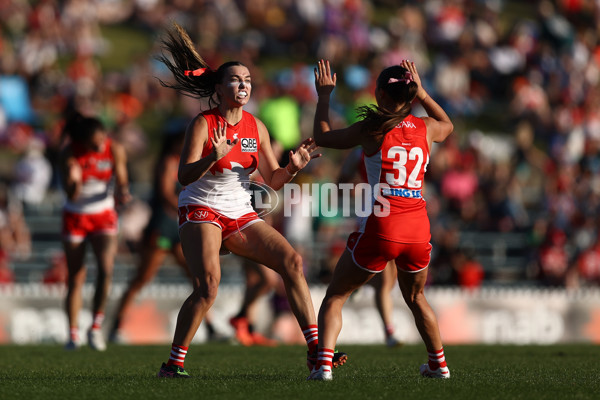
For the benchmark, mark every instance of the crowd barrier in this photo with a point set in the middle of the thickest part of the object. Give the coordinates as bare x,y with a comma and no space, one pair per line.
34,313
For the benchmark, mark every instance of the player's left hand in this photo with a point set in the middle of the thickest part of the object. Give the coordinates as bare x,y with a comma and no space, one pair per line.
324,80
302,155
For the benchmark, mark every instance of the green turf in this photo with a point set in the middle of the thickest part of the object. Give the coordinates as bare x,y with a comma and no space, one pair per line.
231,372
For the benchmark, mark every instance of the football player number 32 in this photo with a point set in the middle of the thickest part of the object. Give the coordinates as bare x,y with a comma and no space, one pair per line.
400,156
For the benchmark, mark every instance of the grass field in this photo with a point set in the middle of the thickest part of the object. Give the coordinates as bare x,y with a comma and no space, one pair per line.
221,371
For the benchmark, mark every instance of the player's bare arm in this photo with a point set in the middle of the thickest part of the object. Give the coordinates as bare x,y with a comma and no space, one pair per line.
122,181
167,170
323,133
70,174
274,175
439,126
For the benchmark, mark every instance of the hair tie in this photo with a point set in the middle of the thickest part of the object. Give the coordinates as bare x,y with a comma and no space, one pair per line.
407,78
197,72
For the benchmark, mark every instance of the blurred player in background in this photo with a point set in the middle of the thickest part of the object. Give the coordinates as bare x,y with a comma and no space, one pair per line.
260,281
384,283
89,165
397,147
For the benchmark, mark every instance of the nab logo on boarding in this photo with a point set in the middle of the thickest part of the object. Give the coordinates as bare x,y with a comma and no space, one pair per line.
249,145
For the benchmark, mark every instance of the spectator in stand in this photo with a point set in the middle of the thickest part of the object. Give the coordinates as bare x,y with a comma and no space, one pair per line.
469,272
15,237
33,173
57,272
588,266
553,258
7,275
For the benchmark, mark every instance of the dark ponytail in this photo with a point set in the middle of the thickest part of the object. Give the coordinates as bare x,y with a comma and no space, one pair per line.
80,129
193,76
397,83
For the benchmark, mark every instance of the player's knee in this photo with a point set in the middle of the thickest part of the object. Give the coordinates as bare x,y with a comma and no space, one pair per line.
208,289
294,266
414,299
203,298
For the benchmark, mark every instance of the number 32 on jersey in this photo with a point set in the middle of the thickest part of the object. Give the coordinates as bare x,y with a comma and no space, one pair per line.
403,160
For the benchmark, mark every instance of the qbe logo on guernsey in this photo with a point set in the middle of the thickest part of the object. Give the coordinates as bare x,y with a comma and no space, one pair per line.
249,145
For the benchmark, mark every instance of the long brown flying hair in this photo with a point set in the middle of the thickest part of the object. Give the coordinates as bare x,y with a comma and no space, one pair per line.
184,60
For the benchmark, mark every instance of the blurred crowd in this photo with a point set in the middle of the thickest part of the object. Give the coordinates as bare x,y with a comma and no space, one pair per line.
520,80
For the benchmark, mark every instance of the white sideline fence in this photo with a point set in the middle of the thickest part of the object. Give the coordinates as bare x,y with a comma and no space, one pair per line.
34,313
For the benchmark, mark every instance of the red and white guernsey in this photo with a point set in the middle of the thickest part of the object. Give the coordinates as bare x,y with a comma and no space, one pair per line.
398,168
97,180
224,188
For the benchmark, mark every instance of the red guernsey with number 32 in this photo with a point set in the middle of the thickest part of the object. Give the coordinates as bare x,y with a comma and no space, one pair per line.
399,168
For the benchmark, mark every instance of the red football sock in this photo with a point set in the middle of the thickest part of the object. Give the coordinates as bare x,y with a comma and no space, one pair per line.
178,354
74,334
325,359
98,319
311,334
437,359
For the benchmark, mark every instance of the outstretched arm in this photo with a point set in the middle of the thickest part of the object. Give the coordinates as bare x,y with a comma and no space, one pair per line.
166,171
274,175
322,132
70,174
122,194
439,126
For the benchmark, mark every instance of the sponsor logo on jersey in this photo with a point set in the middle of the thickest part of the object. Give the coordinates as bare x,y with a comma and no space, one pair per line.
249,145
200,215
104,165
414,194
235,136
406,124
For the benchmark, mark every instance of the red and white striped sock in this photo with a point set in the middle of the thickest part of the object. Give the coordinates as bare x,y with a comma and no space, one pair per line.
437,359
74,334
178,354
325,359
98,319
311,334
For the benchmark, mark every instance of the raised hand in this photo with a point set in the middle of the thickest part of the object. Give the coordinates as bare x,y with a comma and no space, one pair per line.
302,155
324,81
221,146
410,66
